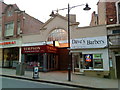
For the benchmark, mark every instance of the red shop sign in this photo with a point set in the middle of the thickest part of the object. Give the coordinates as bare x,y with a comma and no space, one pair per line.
39,49
8,43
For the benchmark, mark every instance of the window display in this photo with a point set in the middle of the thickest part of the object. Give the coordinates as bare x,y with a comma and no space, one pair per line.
98,62
88,61
11,57
93,61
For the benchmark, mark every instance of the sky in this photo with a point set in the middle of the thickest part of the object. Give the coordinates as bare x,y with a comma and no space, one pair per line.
41,9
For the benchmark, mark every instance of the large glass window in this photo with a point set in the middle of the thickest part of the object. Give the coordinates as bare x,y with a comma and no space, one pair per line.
93,61
98,61
9,29
57,35
34,60
11,56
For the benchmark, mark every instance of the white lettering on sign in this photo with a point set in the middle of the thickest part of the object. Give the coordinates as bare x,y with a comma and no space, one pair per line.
91,42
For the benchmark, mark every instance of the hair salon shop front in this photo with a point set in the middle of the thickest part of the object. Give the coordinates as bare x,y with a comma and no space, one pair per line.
90,56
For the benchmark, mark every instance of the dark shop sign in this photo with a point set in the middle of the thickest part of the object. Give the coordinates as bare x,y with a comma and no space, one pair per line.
39,49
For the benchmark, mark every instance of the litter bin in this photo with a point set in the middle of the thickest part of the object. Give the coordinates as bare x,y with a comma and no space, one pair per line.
20,69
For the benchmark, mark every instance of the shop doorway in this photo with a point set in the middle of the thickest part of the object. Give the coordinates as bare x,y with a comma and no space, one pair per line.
78,63
118,66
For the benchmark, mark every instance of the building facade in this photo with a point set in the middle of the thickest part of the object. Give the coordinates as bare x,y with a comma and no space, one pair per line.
90,51
25,39
14,24
109,15
114,49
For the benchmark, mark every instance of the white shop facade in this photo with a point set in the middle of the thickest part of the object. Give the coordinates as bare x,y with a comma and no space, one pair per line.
90,56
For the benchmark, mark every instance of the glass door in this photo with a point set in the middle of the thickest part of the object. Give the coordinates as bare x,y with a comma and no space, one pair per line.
77,63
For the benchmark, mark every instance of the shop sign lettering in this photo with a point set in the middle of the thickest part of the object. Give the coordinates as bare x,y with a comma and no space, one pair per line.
88,42
39,49
91,42
31,48
51,49
8,43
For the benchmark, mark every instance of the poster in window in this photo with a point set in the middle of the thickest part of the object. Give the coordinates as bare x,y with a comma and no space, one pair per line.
88,57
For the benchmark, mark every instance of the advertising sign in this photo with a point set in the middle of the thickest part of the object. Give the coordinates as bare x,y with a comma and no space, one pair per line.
88,57
89,42
35,72
10,43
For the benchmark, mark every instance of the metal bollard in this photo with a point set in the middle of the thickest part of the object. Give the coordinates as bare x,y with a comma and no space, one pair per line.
69,73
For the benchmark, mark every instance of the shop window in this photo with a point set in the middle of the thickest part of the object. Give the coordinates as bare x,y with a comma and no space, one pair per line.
98,61
11,57
93,61
88,61
34,60
57,35
9,29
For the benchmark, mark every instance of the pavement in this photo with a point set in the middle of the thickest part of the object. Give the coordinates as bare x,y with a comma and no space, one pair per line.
61,77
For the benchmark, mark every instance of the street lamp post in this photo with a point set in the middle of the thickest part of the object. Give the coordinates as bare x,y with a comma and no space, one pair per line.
69,65
69,8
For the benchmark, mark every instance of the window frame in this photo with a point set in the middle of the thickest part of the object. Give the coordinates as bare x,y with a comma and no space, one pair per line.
57,34
93,61
8,29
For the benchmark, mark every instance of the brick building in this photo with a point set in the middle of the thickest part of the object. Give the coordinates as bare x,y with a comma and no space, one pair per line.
109,15
14,24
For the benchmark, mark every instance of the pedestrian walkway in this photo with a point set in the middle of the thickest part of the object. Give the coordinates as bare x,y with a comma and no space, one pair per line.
61,77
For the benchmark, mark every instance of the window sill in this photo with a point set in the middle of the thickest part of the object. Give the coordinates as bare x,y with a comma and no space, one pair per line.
93,69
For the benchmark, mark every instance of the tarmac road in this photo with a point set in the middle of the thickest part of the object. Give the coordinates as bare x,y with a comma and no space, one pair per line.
11,83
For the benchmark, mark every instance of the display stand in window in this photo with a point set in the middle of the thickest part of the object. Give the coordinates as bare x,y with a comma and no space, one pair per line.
98,61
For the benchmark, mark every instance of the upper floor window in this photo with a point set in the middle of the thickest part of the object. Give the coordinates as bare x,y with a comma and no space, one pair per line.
9,13
57,35
116,31
9,29
0,30
18,27
118,11
0,27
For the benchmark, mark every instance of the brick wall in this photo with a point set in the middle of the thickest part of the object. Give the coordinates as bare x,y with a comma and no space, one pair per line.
31,25
111,16
28,24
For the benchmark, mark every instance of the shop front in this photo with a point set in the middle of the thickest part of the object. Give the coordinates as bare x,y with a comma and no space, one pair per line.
44,56
90,56
10,52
